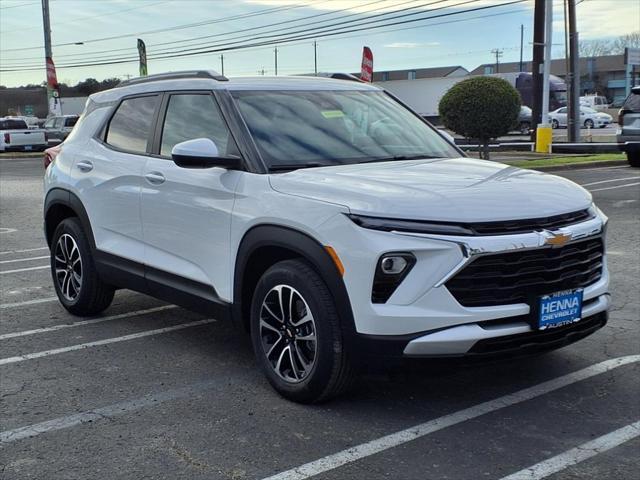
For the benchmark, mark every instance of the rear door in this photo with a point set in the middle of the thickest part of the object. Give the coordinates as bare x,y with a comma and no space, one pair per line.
186,213
109,177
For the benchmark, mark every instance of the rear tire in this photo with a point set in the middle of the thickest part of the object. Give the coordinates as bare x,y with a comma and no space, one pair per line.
634,159
296,334
588,123
75,278
555,124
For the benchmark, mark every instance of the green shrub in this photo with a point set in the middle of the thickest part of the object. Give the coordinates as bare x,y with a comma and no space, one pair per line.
482,108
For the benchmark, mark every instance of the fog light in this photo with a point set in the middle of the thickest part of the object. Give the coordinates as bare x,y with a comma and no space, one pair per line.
393,265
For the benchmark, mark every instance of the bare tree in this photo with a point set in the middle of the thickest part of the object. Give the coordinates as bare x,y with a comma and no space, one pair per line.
631,40
595,48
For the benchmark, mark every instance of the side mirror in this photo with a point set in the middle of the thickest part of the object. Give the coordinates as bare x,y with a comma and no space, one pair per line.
201,153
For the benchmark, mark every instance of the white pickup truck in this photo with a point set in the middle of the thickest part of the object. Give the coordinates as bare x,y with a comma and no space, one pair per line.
15,135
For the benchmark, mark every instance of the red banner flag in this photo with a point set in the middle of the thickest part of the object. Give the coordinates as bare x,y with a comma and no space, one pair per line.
52,79
366,71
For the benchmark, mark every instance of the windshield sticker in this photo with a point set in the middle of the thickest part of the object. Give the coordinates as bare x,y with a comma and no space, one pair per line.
333,113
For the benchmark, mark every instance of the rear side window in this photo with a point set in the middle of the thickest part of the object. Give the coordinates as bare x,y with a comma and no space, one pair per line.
71,122
13,124
130,125
633,103
191,116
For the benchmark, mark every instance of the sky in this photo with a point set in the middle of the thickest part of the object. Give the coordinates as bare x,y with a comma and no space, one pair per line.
93,31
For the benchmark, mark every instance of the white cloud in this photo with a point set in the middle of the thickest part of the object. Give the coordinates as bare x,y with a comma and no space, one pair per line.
410,44
601,18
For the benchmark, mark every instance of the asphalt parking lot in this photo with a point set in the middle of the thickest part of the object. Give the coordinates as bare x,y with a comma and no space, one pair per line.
153,391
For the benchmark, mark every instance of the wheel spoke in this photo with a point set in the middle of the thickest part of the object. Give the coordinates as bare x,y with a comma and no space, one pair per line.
278,366
279,290
266,325
276,344
310,337
294,369
305,364
305,319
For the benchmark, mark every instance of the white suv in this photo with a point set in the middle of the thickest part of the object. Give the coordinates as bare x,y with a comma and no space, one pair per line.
323,216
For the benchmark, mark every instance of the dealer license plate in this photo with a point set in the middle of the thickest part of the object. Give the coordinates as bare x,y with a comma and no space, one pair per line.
560,308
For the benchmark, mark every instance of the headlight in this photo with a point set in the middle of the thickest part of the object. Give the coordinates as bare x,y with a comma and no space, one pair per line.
414,226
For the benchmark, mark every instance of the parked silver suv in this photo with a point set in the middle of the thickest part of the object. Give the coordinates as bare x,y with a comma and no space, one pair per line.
629,121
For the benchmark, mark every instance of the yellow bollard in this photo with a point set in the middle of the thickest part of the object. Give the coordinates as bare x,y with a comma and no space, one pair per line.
544,138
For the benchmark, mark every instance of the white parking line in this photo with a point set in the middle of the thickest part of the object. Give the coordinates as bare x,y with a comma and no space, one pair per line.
27,302
8,252
81,323
106,341
609,181
378,445
24,259
617,186
578,454
4,272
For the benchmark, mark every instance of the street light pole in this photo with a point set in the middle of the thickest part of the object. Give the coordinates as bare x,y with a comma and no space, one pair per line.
547,61
315,57
275,52
573,117
536,64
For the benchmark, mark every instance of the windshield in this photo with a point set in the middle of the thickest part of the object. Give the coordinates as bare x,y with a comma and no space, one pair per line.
311,128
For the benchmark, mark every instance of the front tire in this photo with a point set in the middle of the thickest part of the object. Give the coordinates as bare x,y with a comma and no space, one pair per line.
634,159
588,123
75,278
555,124
296,334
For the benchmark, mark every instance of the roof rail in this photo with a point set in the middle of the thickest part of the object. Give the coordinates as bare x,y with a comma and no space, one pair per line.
212,74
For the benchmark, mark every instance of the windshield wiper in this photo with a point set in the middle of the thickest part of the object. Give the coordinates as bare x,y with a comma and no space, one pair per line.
295,166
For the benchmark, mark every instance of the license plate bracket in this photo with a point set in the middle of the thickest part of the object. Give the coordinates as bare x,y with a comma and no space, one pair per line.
560,308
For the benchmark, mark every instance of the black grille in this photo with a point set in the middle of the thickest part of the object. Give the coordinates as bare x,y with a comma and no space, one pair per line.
522,226
519,277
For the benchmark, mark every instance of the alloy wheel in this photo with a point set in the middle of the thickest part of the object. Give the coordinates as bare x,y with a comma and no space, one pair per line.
68,267
288,333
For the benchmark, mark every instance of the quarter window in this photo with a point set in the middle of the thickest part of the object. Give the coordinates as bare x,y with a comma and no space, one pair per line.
191,116
130,125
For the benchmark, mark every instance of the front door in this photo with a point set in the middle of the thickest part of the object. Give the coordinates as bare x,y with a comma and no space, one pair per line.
186,213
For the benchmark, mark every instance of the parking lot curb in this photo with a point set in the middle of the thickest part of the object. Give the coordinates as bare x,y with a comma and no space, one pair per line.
579,166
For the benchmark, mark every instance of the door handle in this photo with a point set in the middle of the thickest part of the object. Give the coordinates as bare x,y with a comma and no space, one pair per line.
84,166
155,178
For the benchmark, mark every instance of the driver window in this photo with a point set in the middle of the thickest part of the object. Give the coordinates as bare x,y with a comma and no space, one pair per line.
191,116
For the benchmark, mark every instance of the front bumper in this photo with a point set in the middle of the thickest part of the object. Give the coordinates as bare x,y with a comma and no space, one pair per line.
422,317
509,335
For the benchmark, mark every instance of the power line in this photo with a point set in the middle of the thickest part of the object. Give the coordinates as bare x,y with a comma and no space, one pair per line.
174,28
251,29
288,40
323,31
19,5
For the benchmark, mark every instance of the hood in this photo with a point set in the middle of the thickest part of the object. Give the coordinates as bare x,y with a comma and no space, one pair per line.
460,189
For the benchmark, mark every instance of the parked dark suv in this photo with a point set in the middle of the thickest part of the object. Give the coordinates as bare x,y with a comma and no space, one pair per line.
629,121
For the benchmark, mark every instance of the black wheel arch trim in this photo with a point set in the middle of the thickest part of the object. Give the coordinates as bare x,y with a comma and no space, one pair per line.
304,246
62,197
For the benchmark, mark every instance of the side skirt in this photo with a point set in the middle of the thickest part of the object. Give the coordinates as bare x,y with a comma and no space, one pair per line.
162,285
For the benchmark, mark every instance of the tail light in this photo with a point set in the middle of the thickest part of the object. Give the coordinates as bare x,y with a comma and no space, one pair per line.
7,138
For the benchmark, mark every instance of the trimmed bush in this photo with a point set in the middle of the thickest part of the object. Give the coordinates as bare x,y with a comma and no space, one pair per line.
482,108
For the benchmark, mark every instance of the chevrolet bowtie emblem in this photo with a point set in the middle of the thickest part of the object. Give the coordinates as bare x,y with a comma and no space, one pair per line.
557,239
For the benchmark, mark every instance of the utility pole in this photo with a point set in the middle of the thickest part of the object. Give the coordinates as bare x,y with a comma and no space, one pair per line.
544,118
536,64
52,93
222,64
573,117
275,52
498,53
315,57
521,46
